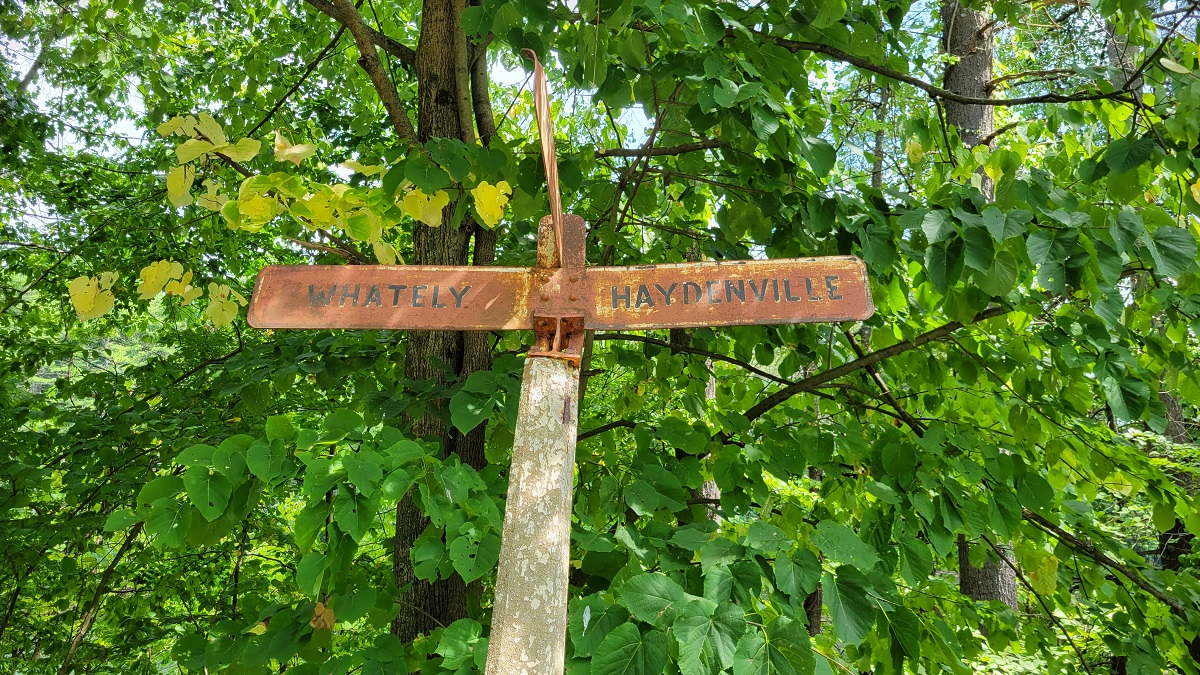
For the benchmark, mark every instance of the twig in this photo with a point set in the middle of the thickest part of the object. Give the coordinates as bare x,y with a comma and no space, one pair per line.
369,61
810,383
619,424
407,55
692,350
312,65
90,615
659,152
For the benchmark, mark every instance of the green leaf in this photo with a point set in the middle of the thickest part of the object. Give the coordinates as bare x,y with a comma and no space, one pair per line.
265,460
707,642
829,12
937,225
820,154
208,491
797,574
309,523
458,643
845,595
1128,153
765,537
364,470
120,519
354,513
280,428
841,544
473,557
980,252
157,488
1004,226
1173,250
916,560
653,598
425,174
310,573
1126,227
169,521
1000,277
905,629
627,651
590,620
341,423
782,648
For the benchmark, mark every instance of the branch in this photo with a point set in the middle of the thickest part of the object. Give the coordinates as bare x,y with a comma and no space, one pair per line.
312,65
692,350
810,383
659,152
937,92
1089,549
1032,73
987,140
912,422
90,615
369,60
407,55
619,424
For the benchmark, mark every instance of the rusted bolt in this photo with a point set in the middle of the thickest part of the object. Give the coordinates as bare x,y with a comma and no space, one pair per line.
545,297
573,298
574,278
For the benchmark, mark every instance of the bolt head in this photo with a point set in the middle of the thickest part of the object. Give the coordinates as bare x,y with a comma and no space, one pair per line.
545,297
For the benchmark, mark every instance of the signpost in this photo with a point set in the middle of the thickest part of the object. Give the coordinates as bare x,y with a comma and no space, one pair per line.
558,299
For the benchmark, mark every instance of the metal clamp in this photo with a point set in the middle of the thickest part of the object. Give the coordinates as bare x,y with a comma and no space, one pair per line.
558,335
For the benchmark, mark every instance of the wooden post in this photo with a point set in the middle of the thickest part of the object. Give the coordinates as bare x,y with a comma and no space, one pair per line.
529,619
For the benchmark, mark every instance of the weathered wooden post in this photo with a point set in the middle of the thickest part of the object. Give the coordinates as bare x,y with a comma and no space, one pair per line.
559,299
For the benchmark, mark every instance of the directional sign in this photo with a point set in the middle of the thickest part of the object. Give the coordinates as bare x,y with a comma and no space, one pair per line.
504,298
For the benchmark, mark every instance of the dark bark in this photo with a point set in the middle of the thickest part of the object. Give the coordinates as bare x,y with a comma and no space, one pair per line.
812,603
885,97
967,36
436,355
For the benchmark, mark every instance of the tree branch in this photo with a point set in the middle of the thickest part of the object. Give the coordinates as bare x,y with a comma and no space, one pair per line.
1089,549
369,61
619,424
809,383
312,65
937,92
90,615
405,54
912,422
692,350
659,152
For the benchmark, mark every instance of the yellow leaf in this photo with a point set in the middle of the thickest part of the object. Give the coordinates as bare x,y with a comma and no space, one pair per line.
90,296
286,152
179,185
322,617
366,170
242,151
316,207
209,128
1195,190
191,149
915,151
256,209
385,253
426,208
184,126
211,200
155,276
184,289
221,311
490,200
1044,578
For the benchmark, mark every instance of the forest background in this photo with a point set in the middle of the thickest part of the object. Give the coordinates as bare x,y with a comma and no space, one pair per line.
995,473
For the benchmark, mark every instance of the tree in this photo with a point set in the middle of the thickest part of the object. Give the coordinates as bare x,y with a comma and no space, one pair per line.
183,492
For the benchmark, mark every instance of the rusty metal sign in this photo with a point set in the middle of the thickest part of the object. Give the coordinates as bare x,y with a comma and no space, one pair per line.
506,298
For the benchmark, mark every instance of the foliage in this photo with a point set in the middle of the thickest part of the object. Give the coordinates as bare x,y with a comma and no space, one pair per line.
223,499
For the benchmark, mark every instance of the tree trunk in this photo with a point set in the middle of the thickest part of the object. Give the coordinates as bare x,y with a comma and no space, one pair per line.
967,35
441,111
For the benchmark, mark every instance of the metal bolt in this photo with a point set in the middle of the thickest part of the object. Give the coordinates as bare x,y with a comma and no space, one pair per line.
574,278
545,297
573,298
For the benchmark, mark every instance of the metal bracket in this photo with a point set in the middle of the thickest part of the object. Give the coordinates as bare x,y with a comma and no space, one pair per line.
558,335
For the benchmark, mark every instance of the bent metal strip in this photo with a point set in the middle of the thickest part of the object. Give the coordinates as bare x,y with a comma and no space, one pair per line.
504,298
